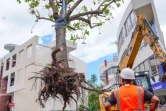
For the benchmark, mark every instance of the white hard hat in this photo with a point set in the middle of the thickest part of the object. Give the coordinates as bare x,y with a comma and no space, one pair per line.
127,73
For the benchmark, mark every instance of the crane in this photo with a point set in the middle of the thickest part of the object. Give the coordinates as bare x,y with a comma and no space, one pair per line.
143,31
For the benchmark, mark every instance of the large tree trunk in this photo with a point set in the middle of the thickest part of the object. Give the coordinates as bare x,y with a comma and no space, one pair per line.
61,42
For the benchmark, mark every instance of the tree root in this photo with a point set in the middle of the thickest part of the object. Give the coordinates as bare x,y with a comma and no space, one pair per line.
57,79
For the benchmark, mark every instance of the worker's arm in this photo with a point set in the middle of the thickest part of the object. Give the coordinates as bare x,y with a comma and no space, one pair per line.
111,101
148,96
155,101
107,105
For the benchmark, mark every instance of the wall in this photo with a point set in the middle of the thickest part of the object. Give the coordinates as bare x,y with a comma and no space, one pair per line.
43,57
25,98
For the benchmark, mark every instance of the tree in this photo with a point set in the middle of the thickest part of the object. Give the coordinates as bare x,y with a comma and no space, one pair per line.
58,78
80,21
93,97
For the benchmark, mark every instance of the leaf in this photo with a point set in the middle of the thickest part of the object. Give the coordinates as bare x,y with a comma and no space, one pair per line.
85,8
76,25
68,28
72,37
47,6
19,1
69,1
100,23
107,19
51,17
106,11
27,0
86,32
118,4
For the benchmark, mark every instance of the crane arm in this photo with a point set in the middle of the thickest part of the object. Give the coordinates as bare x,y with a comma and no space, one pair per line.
144,32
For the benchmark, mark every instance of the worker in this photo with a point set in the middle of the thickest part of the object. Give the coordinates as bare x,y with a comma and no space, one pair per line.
130,97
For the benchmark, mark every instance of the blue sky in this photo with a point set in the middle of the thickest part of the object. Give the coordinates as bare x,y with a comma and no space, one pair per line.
93,67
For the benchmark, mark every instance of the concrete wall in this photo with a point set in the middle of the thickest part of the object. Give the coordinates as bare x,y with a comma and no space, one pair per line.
28,56
24,99
27,103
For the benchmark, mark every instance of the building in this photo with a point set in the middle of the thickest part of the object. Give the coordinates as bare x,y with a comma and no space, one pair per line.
109,68
20,64
145,59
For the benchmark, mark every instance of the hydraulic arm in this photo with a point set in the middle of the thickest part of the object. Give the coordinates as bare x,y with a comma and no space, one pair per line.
143,31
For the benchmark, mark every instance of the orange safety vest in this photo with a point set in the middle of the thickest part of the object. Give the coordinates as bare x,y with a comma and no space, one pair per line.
130,98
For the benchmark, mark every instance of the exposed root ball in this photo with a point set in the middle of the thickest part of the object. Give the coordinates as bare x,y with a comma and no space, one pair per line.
58,80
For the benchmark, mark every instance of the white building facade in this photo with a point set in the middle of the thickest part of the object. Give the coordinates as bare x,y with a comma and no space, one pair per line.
20,64
110,68
145,59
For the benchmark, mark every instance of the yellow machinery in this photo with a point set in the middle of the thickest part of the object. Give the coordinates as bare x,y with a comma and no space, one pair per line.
142,31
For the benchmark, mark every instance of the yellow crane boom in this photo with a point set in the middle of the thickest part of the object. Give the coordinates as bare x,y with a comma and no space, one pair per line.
143,31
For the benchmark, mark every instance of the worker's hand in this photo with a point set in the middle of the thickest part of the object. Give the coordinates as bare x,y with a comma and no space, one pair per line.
106,105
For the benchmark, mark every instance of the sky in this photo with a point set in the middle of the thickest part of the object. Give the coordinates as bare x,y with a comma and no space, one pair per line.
16,24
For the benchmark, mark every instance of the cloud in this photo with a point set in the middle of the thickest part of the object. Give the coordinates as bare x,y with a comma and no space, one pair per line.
100,45
16,23
16,28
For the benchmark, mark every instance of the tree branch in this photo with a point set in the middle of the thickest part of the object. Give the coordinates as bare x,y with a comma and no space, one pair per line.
54,9
101,4
46,19
88,21
97,11
72,8
38,17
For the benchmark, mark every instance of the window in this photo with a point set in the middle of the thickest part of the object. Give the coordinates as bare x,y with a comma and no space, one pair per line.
146,64
153,65
142,67
7,64
114,70
121,38
1,70
133,18
154,28
14,61
12,79
29,51
109,71
128,25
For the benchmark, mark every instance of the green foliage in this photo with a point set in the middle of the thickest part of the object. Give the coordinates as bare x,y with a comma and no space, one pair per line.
86,32
100,23
106,11
92,20
47,6
85,8
76,25
82,107
118,4
51,17
19,1
69,1
93,97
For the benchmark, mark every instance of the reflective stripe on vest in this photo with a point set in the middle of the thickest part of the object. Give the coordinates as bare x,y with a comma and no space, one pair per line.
139,100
